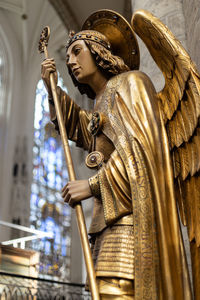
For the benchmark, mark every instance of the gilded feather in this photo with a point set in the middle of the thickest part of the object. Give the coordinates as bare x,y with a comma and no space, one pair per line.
180,105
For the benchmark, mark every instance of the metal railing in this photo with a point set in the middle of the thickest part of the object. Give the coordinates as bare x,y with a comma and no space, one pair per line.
20,287
20,242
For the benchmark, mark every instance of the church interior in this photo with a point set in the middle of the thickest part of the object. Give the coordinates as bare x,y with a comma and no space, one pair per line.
38,232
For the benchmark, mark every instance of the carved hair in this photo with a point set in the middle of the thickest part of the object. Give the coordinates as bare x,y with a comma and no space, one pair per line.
108,64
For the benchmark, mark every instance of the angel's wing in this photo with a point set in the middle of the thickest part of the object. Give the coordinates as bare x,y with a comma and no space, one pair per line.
180,103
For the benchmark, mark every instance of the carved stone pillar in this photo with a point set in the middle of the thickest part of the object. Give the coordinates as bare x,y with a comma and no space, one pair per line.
170,12
20,206
192,20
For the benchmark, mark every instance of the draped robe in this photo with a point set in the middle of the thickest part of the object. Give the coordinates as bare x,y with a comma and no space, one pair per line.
138,179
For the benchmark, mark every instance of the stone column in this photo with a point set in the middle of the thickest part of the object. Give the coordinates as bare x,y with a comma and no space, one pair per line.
170,12
191,10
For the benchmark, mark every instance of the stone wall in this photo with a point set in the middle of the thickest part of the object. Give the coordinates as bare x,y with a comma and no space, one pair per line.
191,10
171,14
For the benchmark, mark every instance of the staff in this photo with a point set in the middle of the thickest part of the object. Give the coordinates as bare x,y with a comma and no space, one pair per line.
43,43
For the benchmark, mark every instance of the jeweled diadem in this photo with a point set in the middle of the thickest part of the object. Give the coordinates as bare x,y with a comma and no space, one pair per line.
89,35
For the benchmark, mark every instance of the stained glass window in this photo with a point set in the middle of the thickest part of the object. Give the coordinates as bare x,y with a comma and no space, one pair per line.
47,210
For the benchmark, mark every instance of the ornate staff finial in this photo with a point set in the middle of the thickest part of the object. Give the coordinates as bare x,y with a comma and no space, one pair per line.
44,38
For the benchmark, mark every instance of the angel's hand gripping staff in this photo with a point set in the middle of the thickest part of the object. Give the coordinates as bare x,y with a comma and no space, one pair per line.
43,43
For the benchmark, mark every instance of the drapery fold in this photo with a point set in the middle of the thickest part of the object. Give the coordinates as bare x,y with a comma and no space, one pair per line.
138,178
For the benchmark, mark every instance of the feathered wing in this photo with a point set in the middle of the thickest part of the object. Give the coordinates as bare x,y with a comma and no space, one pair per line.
180,105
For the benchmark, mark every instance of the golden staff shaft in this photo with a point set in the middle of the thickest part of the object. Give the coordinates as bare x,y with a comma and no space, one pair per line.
78,207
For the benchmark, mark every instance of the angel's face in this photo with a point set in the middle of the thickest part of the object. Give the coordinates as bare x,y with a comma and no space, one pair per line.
81,62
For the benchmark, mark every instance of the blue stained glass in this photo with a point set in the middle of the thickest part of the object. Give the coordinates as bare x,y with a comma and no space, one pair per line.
50,168
51,198
35,150
66,222
37,142
33,219
58,186
39,223
47,210
47,247
46,108
35,189
34,200
51,157
59,198
41,202
35,174
39,215
59,153
58,169
57,236
45,156
49,224
36,161
58,180
52,143
40,85
59,206
38,121
45,178
38,102
66,210
51,178
64,250
59,161
37,134
65,174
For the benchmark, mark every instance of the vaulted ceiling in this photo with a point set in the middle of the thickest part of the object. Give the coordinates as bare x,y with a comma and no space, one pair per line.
26,18
74,13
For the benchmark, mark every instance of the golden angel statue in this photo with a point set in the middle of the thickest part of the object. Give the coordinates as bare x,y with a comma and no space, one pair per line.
145,147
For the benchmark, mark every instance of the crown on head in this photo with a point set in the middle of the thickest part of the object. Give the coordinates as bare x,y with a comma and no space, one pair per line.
89,35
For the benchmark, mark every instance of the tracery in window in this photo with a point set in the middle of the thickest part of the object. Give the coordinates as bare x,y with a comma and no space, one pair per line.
47,210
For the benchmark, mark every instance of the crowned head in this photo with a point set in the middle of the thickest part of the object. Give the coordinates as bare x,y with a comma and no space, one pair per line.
113,48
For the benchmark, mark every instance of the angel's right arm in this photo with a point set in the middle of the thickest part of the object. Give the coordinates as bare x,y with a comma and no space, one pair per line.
76,119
